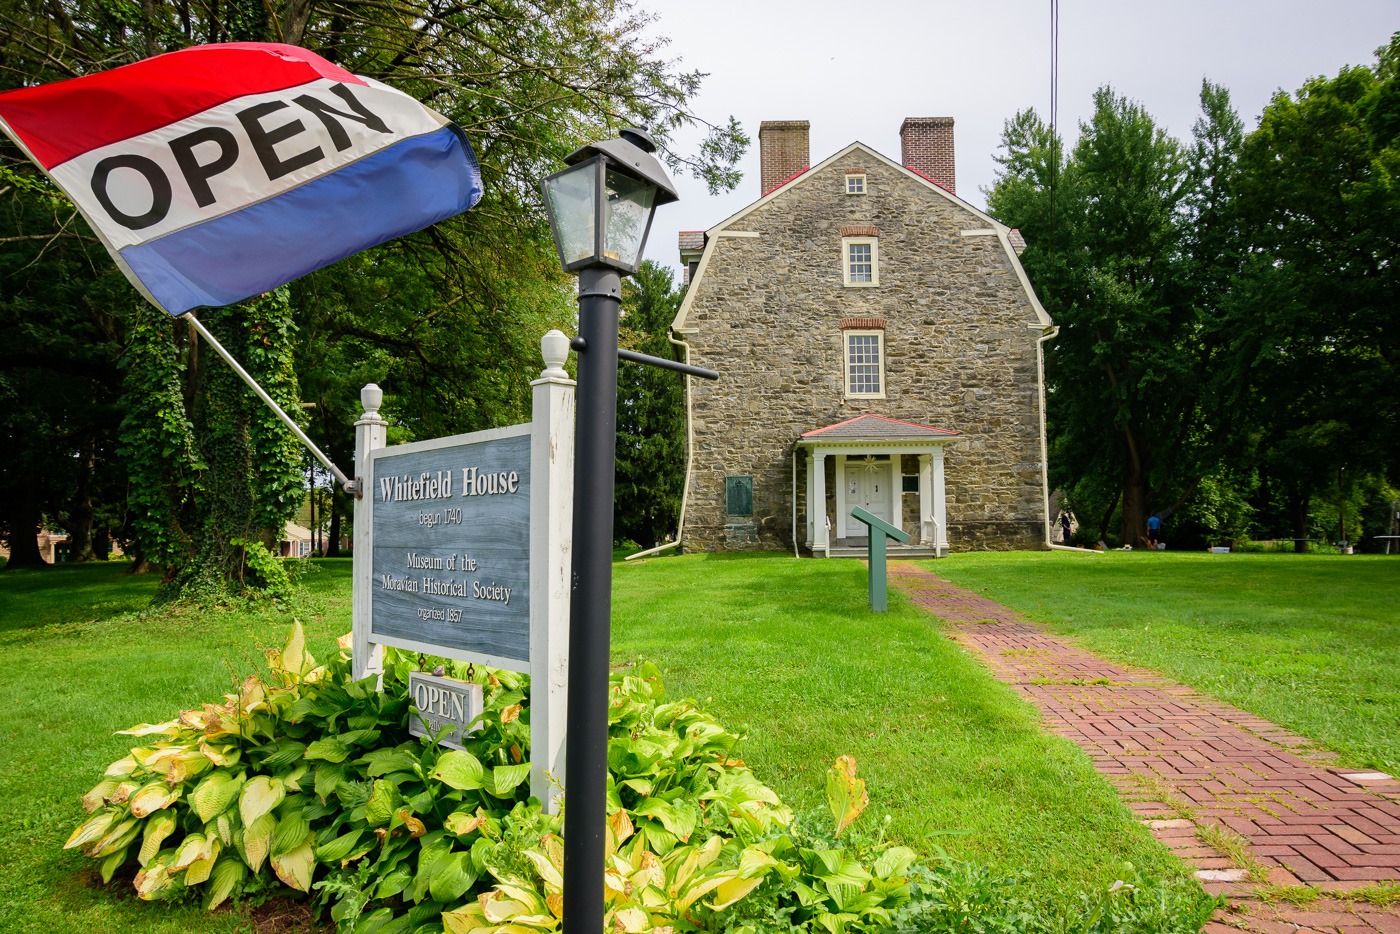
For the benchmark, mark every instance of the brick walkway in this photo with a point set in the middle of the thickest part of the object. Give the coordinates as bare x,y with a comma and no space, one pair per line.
1253,808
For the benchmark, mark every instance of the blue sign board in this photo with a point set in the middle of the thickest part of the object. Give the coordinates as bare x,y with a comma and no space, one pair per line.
451,544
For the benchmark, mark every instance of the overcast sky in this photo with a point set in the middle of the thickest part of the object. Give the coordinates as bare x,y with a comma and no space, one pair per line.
857,69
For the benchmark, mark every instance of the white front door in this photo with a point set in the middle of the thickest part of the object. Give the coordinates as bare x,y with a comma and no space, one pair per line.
867,486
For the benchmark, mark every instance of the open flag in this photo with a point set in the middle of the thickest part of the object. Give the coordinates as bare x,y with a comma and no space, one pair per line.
219,172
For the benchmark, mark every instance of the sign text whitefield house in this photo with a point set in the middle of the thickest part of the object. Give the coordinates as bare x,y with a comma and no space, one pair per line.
462,549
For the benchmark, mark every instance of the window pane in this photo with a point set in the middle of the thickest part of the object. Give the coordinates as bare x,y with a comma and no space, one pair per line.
863,364
861,267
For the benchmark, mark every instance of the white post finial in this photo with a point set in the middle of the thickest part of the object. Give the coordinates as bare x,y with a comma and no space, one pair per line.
554,347
371,396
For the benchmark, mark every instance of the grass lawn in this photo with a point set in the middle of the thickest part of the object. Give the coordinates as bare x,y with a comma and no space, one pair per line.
789,651
1311,642
79,666
783,648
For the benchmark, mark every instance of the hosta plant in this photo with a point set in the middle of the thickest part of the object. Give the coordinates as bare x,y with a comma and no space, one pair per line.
307,779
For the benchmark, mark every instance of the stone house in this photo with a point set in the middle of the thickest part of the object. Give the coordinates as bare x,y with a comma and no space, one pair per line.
880,346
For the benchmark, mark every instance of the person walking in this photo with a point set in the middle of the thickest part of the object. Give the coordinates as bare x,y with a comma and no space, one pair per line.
1154,529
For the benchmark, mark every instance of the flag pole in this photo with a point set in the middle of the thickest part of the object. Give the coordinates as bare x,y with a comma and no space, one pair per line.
351,486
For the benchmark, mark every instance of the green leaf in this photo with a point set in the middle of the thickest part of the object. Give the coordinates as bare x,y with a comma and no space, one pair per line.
382,800
894,861
112,863
461,770
291,831
505,778
328,776
452,875
330,749
339,848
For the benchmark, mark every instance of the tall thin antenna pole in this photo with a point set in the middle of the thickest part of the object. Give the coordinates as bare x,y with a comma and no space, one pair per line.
1054,117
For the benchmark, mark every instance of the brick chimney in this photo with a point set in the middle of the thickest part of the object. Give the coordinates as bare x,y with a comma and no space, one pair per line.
784,150
926,146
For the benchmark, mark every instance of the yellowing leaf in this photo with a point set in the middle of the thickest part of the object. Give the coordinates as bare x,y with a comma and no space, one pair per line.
731,891
228,872
97,797
122,767
158,827
511,713
845,794
461,823
219,755
157,796
294,867
257,841
259,796
621,826
414,825
214,794
294,657
91,829
631,920
169,728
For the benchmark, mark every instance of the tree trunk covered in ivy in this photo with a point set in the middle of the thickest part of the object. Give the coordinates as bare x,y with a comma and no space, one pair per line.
213,471
251,481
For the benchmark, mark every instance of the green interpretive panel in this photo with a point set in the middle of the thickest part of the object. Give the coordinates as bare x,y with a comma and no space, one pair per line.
738,496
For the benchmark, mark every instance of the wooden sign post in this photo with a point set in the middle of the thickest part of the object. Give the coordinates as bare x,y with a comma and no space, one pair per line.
878,529
462,551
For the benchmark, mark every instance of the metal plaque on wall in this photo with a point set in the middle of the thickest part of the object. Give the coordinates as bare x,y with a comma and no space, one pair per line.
451,545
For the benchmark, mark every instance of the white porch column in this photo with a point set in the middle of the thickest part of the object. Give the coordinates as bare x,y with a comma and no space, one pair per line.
897,490
940,503
816,504
811,513
926,499
841,496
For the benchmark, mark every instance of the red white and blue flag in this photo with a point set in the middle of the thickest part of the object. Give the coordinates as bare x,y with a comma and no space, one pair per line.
219,172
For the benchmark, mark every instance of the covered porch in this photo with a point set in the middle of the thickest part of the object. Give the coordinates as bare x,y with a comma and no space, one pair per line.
892,468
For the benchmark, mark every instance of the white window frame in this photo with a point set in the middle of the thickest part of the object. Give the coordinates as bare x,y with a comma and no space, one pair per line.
874,244
846,336
860,187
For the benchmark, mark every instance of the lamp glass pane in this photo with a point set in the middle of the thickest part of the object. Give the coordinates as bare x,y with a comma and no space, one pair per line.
628,213
571,202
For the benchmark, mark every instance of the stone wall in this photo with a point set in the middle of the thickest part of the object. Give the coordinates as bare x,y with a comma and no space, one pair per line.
960,353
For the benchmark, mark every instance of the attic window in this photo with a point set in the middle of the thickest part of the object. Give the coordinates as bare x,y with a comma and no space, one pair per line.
855,183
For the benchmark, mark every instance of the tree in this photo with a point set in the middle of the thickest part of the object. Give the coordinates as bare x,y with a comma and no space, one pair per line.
650,414
1321,179
1132,244
445,320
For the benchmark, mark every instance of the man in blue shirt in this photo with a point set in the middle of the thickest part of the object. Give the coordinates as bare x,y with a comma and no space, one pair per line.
1154,528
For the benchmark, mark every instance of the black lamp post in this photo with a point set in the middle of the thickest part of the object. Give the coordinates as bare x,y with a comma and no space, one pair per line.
600,209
